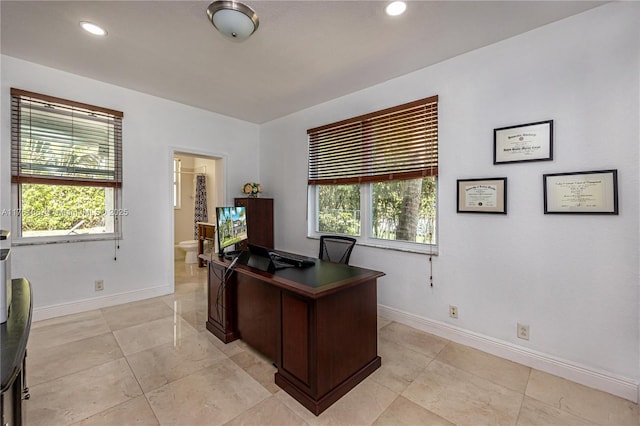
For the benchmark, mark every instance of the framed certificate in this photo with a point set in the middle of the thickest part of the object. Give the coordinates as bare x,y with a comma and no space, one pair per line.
593,192
482,195
525,142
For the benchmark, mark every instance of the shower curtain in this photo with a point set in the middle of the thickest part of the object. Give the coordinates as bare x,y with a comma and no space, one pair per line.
201,204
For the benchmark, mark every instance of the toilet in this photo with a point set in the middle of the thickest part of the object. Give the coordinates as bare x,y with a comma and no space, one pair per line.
190,248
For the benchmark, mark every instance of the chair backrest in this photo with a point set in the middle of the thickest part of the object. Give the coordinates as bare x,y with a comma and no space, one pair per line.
336,248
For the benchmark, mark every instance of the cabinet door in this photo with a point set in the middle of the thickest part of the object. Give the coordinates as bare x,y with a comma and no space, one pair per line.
259,220
222,298
296,339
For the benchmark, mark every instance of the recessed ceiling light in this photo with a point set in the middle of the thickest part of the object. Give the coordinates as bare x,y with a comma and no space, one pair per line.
396,8
92,28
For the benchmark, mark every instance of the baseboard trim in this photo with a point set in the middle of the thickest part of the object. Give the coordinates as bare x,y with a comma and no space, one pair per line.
52,311
601,380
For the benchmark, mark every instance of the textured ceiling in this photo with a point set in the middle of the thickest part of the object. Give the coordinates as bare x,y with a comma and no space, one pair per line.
304,52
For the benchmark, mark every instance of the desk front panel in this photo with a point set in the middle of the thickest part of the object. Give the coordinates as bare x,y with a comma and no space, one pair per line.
297,343
347,334
328,344
321,334
258,314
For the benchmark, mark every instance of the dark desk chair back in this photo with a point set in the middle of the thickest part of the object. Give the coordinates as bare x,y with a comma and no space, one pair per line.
336,248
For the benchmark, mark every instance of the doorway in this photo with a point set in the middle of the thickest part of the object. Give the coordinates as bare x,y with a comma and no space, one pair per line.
197,182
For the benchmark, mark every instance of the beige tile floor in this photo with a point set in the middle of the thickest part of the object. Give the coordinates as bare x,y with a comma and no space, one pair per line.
153,362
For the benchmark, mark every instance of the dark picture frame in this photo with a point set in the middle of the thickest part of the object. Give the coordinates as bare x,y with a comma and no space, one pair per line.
523,143
589,192
485,195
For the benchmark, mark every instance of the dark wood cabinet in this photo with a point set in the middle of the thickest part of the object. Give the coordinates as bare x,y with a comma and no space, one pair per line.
14,335
259,220
222,293
206,232
318,324
328,344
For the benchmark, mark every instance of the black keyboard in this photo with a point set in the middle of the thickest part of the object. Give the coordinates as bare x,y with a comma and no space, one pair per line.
279,264
292,259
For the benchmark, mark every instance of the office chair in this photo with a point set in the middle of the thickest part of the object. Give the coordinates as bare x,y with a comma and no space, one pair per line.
336,248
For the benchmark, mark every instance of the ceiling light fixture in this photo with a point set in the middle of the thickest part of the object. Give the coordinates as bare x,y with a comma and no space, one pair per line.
396,8
233,19
93,28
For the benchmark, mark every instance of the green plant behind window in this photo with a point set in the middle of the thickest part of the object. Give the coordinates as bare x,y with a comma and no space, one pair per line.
56,209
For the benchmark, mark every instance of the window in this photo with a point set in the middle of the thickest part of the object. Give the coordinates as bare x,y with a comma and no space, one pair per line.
375,177
66,169
177,167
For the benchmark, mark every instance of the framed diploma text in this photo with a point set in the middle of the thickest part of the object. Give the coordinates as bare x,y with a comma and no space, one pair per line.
482,195
525,142
593,192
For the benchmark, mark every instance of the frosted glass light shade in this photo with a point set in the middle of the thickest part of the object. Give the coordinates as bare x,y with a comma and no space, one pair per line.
92,28
396,8
233,19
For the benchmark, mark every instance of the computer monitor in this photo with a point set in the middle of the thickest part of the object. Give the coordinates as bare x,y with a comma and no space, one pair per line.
231,223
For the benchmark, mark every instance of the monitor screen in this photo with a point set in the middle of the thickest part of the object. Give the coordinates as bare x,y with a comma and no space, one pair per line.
232,226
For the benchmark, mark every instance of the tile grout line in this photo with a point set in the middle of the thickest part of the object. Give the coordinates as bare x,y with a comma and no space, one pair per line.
524,395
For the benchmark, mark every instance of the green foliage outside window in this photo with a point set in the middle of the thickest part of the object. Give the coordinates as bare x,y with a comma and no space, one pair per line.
405,210
61,207
401,210
339,209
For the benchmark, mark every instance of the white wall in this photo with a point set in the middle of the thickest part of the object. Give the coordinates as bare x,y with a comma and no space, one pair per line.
63,275
572,278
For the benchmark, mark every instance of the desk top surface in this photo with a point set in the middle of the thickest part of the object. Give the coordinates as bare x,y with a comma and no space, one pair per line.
315,281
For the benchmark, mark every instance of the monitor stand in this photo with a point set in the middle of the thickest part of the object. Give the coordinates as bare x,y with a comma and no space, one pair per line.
230,255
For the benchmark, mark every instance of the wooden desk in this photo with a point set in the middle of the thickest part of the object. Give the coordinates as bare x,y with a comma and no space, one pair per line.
14,335
206,231
318,324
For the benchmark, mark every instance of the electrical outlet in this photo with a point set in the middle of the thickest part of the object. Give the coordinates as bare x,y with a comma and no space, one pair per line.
523,331
453,311
99,285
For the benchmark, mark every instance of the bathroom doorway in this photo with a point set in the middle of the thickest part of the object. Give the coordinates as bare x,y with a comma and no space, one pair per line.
197,190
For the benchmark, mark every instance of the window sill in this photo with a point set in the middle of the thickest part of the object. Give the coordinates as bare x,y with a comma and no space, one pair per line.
36,241
403,247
